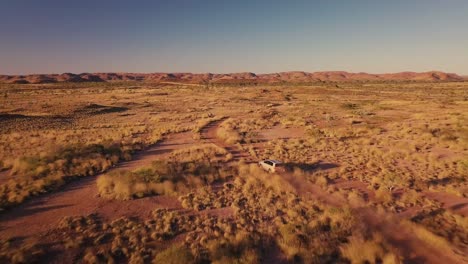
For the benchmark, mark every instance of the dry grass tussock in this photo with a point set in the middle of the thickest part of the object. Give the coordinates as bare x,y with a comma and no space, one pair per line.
385,159
234,131
186,169
34,135
429,237
397,139
441,223
35,175
305,231
374,250
266,214
49,170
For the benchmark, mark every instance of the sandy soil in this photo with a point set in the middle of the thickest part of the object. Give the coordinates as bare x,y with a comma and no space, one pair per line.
451,202
279,132
5,176
80,197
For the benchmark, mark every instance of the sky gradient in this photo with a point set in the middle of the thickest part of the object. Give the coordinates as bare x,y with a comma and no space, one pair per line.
375,36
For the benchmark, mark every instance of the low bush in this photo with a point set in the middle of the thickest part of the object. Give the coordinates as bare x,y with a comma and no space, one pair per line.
430,238
228,133
28,252
360,250
176,254
234,131
384,195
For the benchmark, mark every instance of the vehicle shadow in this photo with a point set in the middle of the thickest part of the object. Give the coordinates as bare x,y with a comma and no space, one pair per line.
309,167
459,206
30,210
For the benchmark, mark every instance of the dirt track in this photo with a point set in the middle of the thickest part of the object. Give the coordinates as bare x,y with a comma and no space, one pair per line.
209,134
451,202
80,197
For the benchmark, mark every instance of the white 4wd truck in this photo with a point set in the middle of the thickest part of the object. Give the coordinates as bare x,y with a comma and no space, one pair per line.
271,165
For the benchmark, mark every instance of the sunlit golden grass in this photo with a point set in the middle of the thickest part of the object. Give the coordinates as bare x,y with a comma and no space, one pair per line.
189,168
359,250
398,140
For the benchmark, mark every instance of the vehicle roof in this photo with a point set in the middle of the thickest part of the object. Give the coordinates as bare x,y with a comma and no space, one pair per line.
274,161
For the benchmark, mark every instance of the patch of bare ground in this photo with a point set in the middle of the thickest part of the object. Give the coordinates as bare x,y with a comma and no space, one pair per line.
410,212
279,132
80,197
159,150
456,204
224,212
5,176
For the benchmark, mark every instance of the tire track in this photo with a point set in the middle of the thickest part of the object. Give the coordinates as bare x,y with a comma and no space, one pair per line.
79,197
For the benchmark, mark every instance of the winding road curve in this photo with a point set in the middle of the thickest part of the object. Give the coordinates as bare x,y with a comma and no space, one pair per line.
79,197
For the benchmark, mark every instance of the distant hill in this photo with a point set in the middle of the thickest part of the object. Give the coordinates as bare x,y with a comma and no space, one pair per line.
230,78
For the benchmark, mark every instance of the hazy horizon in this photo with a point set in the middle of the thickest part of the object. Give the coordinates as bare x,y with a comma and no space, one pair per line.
256,73
54,36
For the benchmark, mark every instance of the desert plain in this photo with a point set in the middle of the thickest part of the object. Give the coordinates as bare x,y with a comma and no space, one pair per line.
163,168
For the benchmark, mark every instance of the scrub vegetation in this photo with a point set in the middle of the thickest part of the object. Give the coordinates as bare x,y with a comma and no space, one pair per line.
133,172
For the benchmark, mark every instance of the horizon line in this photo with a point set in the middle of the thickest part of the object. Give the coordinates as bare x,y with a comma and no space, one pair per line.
237,72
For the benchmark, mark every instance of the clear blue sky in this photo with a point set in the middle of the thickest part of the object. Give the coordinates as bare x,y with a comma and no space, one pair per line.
55,36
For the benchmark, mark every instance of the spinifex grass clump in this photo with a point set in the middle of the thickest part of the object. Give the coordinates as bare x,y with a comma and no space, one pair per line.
234,131
186,169
443,223
34,175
